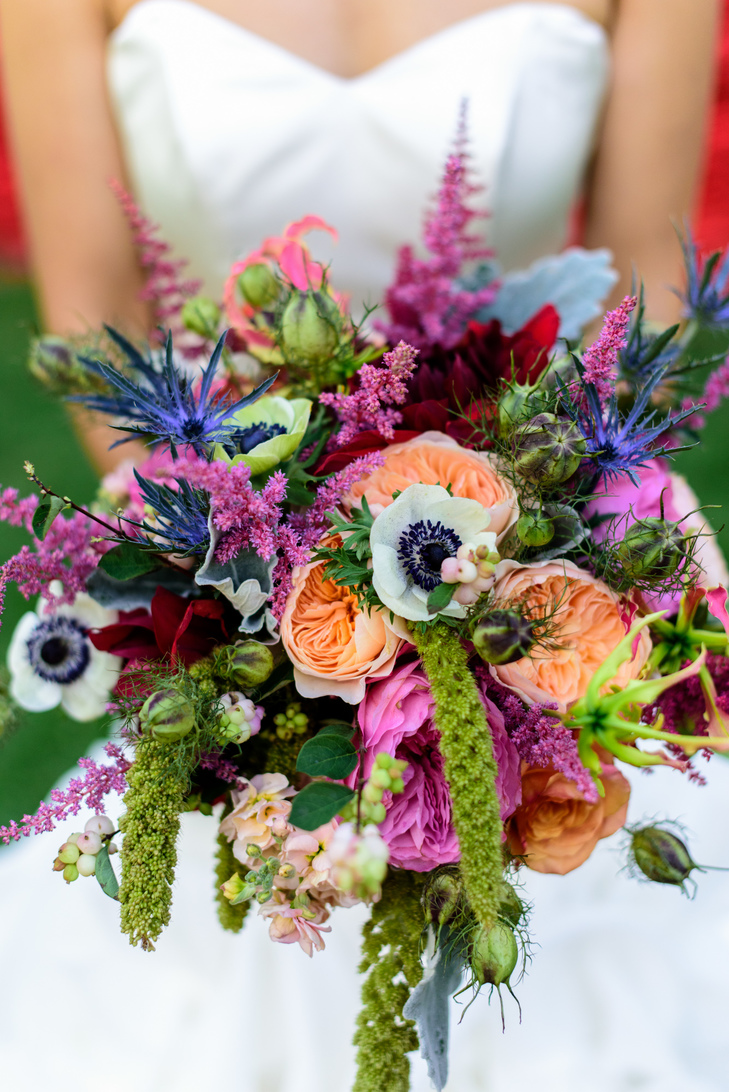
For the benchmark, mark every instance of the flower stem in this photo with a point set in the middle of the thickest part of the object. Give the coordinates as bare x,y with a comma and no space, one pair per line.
470,767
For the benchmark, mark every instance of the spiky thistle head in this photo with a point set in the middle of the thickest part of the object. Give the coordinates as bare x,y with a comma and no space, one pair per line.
160,402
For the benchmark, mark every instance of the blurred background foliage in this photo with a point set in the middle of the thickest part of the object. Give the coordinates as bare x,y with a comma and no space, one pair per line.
36,427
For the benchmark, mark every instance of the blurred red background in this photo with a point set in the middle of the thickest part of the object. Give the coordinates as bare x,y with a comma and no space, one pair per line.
712,223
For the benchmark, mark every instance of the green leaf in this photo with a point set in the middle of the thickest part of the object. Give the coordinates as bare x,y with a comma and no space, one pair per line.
45,514
126,561
328,754
440,597
105,874
337,728
318,803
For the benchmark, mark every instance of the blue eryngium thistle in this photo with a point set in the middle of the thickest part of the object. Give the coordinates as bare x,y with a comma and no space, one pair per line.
619,444
646,351
706,299
181,515
612,721
159,402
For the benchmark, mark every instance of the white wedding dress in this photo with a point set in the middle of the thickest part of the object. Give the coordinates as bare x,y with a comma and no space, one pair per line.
227,138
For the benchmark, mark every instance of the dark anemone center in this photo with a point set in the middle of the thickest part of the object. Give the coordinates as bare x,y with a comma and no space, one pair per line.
422,549
244,440
54,650
58,650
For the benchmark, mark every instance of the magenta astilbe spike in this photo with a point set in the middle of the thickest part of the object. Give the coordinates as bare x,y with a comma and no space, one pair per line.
165,287
88,791
379,389
600,361
427,308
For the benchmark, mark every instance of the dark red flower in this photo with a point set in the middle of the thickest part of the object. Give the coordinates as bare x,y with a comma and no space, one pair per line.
175,627
484,356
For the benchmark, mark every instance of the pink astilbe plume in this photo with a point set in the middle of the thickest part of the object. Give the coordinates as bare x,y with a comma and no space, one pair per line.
165,287
600,361
88,791
379,389
68,553
426,306
540,739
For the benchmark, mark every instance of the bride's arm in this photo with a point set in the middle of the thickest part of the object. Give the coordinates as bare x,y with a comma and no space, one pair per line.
65,151
650,152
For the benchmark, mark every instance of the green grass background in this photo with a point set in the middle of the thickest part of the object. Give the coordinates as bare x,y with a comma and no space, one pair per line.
34,426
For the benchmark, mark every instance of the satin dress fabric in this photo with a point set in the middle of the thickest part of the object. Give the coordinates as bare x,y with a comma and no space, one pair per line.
227,138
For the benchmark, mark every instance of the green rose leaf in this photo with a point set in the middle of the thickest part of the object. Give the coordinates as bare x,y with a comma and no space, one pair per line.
45,514
318,803
338,728
105,874
328,754
440,597
126,561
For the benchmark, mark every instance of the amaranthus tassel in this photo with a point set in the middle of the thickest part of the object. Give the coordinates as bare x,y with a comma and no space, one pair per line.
470,767
150,826
390,952
226,865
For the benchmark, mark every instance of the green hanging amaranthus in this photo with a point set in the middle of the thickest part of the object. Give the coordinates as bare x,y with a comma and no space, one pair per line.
390,952
469,766
227,865
150,826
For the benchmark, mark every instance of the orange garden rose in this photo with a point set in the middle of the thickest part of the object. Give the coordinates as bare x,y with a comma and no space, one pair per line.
555,828
436,459
587,625
333,645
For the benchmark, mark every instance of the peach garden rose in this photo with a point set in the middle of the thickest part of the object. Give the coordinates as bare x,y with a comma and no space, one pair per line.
436,459
334,646
587,625
555,828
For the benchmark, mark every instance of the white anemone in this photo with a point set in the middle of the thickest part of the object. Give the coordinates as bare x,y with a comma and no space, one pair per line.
411,538
52,661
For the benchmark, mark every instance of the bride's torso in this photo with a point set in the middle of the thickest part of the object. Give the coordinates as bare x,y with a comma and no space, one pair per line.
228,136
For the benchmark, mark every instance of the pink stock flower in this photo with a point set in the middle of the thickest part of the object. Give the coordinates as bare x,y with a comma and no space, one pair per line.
292,257
295,925
396,717
260,810
628,503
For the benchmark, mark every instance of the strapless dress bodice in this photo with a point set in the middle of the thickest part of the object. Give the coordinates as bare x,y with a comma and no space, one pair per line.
227,137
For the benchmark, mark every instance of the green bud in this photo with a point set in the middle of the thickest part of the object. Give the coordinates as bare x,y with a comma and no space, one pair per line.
263,896
503,636
371,793
652,549
202,316
548,449
252,850
258,286
494,954
381,778
70,873
383,760
310,327
443,895
534,529
397,786
378,813
661,856
514,404
246,665
168,715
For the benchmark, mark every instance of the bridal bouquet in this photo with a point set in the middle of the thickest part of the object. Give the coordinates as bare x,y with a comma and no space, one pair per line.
395,602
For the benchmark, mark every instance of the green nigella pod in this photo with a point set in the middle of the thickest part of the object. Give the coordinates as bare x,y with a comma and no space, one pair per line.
511,908
652,549
258,285
202,316
442,895
310,327
168,715
661,855
548,449
503,636
246,665
535,529
494,954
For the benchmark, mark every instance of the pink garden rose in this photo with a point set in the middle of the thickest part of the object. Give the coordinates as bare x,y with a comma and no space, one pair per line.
396,716
632,502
